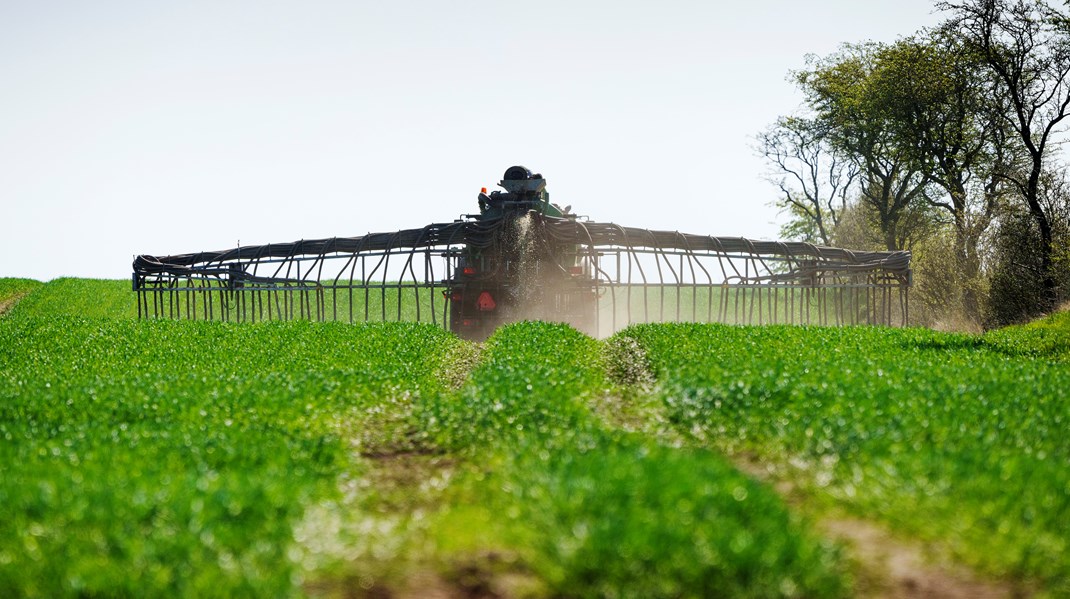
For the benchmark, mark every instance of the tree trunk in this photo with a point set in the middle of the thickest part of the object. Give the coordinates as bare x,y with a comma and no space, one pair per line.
1051,292
968,262
891,240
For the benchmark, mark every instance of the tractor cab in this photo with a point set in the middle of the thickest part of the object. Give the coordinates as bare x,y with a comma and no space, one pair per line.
524,192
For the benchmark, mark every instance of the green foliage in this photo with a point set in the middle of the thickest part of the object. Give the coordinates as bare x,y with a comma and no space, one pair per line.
956,439
1025,50
854,107
945,295
95,298
534,380
12,289
172,458
175,458
594,512
1017,260
919,119
801,225
90,298
1046,338
625,518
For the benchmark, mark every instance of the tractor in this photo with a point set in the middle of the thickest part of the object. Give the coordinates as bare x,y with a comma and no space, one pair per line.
521,274
524,258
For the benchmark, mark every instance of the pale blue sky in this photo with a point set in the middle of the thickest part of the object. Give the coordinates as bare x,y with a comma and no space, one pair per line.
142,127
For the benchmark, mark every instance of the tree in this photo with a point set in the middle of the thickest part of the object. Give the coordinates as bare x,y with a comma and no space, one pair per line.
1025,45
813,180
841,90
1017,272
938,98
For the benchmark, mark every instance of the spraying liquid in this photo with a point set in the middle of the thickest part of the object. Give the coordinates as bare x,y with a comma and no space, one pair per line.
544,289
524,248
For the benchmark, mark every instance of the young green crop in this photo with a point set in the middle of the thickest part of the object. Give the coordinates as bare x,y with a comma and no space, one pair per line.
14,289
956,439
93,298
89,298
594,512
174,459
1047,338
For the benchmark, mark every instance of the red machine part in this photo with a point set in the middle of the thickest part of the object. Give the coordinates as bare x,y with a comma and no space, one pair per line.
485,302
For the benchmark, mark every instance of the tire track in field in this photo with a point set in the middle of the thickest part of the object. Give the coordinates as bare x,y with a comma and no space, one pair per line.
888,567
377,530
600,511
409,486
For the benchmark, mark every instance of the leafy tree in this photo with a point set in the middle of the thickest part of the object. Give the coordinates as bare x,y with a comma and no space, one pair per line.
940,106
842,91
1025,45
1017,259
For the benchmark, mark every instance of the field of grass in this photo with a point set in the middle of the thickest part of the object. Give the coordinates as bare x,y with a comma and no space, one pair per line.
175,458
387,302
90,298
637,304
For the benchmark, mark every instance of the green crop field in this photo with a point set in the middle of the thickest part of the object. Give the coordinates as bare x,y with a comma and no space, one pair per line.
177,458
12,290
954,439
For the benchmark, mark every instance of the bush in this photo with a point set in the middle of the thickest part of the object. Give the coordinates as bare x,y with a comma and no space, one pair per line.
1017,274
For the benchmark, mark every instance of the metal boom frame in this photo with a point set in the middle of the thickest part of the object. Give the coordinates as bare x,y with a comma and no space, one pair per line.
636,275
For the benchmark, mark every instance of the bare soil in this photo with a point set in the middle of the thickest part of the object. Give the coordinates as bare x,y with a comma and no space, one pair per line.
892,568
888,566
401,483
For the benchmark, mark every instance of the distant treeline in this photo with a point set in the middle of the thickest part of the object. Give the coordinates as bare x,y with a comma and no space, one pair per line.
944,143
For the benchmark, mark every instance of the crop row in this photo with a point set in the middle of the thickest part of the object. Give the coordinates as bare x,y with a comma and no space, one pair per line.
959,440
179,458
175,459
597,512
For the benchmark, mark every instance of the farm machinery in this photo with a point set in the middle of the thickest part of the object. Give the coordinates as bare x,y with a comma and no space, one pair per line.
522,257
